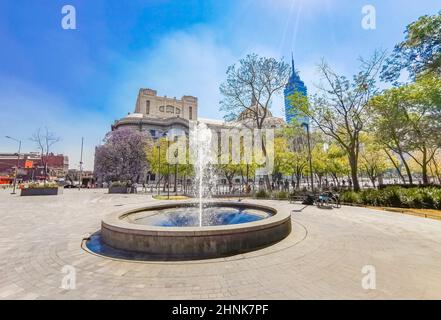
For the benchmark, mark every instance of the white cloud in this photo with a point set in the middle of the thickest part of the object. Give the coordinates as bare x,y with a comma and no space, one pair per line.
182,63
191,62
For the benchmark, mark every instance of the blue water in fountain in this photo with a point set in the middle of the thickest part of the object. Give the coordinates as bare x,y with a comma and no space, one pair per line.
190,217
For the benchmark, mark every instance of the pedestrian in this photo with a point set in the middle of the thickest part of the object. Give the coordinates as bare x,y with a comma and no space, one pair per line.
135,187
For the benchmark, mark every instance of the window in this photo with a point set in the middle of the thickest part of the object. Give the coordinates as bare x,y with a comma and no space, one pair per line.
178,111
161,108
191,113
170,109
147,107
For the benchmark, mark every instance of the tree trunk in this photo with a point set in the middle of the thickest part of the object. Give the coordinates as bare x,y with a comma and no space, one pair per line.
396,166
409,173
354,169
298,177
373,181
424,167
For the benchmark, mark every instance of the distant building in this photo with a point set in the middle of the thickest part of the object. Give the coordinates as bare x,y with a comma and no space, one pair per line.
73,177
294,85
31,165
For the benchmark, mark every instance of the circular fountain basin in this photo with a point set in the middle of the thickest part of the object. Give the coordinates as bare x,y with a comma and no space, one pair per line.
173,230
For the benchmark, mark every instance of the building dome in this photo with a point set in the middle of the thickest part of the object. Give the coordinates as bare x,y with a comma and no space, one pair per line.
250,113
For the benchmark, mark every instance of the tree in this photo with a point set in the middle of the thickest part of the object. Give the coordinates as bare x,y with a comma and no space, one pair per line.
282,158
339,110
374,161
245,167
294,152
229,171
256,79
44,139
419,53
435,166
407,119
158,162
336,162
389,123
319,162
122,157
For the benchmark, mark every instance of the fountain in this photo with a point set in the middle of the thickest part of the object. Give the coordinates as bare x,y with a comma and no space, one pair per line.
192,229
201,141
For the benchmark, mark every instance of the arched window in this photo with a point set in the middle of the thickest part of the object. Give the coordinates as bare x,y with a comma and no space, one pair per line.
170,109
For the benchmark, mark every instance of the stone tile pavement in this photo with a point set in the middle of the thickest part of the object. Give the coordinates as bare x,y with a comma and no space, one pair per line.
322,258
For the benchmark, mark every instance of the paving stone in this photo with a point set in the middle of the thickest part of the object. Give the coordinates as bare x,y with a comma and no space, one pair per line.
321,259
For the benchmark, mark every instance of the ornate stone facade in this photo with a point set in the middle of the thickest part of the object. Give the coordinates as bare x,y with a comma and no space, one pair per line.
160,115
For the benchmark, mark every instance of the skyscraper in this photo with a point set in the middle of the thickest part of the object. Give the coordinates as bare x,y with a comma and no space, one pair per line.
295,84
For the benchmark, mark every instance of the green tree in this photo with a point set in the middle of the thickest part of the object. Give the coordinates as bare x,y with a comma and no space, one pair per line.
157,159
407,120
256,79
336,162
419,53
295,152
373,160
340,109
320,162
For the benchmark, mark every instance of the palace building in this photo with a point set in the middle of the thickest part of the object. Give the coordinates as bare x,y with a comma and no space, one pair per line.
161,116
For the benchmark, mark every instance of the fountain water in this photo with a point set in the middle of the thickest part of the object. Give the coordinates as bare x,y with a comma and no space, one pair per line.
203,158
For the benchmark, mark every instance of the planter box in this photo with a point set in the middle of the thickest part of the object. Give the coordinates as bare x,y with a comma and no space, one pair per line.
40,191
118,189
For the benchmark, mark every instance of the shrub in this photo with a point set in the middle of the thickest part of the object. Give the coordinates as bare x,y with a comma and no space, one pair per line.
390,197
370,197
394,196
350,197
37,185
261,194
282,195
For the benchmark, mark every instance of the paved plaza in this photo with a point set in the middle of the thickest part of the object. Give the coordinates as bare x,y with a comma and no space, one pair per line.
323,257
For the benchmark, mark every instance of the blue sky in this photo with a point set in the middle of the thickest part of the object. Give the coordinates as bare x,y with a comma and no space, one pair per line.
77,82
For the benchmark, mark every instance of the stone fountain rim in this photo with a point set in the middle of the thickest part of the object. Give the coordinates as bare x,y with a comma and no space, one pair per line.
114,221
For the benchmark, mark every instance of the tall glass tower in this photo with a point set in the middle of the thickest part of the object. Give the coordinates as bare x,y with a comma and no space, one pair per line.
295,84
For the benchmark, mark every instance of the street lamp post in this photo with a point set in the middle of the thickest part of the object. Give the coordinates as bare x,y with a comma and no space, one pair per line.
168,171
81,165
176,172
159,167
309,154
18,162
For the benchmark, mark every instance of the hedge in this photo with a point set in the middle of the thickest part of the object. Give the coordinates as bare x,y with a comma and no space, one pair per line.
427,198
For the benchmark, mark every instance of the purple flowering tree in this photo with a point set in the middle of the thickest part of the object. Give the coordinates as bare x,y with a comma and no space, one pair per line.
122,157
